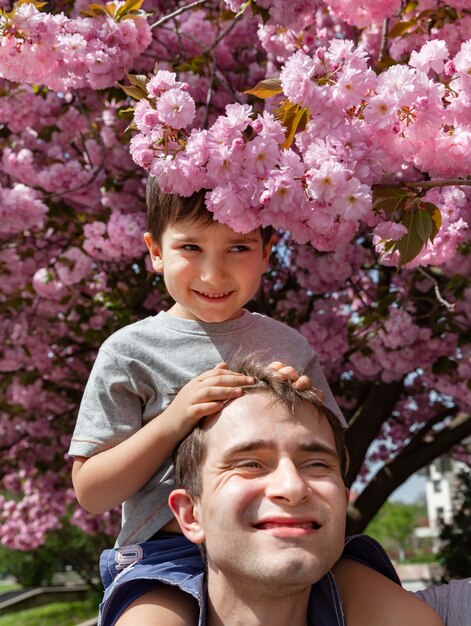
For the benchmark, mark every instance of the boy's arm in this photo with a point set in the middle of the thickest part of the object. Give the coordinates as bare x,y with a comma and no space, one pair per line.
371,599
108,478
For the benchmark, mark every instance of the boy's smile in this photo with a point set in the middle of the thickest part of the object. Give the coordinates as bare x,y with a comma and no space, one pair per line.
209,270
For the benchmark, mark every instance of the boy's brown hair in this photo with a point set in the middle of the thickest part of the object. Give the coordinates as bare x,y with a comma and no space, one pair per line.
164,209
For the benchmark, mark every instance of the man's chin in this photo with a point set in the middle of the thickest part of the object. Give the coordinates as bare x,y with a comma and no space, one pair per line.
295,569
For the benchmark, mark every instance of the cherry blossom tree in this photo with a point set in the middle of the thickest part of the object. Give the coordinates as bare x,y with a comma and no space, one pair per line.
345,125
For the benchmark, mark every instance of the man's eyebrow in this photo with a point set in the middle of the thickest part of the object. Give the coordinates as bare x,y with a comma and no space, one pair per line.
317,446
250,446
266,444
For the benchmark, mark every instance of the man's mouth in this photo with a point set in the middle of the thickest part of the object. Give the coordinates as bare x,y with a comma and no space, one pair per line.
279,524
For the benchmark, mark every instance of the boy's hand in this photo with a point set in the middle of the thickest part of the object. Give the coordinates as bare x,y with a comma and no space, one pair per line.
286,372
204,395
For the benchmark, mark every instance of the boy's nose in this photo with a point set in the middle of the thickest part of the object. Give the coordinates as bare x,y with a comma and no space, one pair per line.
212,271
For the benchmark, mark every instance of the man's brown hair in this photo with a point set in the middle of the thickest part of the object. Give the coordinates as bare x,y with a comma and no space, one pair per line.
164,209
191,453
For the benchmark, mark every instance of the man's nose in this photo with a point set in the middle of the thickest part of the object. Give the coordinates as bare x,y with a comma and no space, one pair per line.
287,484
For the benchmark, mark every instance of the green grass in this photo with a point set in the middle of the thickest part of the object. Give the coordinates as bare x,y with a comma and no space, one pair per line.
9,587
54,614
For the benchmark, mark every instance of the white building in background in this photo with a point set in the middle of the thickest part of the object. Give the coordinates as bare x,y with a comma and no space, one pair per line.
439,491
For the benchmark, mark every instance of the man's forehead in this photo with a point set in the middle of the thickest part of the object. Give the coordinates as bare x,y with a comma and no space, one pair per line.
261,417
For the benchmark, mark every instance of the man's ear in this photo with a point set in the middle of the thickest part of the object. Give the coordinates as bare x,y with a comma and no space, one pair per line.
155,253
187,515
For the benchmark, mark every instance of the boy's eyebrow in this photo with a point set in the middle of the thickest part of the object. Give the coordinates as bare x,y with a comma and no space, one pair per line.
244,239
233,241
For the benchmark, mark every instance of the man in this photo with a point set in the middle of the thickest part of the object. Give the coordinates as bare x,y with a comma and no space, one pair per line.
262,487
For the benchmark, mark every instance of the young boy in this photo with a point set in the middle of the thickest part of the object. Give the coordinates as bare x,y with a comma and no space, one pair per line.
122,454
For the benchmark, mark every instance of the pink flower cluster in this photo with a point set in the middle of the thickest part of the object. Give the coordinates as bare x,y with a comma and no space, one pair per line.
362,14
361,128
20,209
454,203
120,238
292,13
26,522
63,53
392,346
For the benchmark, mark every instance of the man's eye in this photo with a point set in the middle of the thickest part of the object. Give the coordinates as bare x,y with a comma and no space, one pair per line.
317,464
249,465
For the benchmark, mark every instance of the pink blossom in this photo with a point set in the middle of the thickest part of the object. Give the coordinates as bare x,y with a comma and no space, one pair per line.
431,56
46,285
20,209
176,108
146,117
390,230
73,266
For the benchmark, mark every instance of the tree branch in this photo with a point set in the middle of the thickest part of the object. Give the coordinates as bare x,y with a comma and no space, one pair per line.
367,421
384,40
394,473
430,184
436,287
179,11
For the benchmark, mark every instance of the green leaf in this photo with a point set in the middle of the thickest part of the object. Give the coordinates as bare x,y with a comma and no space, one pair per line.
128,6
411,243
139,80
137,93
401,28
266,88
258,10
423,225
94,10
295,121
411,6
243,7
435,216
388,198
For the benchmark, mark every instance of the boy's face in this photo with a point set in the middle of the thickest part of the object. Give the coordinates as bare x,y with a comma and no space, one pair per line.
209,270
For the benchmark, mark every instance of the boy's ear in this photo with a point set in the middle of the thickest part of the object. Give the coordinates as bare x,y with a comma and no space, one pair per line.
267,248
187,515
155,253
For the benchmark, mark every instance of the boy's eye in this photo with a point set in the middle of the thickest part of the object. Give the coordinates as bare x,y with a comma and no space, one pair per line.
190,246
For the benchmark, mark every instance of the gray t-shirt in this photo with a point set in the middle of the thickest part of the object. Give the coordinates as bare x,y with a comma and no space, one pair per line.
452,601
135,376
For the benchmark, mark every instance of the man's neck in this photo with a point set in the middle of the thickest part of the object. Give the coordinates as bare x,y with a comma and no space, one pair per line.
247,607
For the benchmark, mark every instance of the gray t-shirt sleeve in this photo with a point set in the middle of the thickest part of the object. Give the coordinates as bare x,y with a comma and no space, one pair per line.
110,411
452,601
315,373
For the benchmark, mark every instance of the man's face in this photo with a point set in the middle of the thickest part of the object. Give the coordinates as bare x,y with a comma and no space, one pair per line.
273,502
